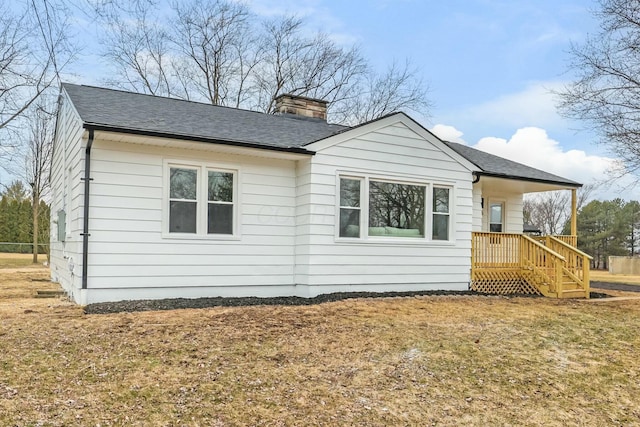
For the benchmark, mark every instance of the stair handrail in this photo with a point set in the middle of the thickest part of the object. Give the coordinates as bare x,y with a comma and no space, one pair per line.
568,246
551,251
586,261
556,265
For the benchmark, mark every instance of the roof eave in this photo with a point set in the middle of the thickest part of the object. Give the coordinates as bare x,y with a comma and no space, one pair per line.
527,179
107,128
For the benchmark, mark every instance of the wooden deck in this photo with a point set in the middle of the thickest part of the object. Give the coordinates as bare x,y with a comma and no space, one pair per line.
503,263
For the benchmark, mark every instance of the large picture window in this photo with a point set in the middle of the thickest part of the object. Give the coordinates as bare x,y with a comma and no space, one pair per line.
391,209
396,209
202,200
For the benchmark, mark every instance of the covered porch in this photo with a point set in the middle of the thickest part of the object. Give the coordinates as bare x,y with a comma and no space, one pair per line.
503,258
507,262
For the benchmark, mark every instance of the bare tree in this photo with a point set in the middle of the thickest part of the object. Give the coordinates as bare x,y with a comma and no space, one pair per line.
138,47
34,49
399,88
212,36
39,151
315,66
36,150
606,93
551,211
217,51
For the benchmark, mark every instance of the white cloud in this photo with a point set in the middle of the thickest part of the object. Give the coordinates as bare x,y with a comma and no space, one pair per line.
533,147
448,133
533,106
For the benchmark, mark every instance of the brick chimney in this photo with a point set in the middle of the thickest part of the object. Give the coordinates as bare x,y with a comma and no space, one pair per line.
301,106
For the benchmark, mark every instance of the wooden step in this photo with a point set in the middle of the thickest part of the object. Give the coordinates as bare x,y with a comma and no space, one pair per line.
573,293
570,285
48,293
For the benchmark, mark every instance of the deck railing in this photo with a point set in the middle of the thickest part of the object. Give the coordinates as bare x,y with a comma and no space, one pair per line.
495,250
569,240
544,262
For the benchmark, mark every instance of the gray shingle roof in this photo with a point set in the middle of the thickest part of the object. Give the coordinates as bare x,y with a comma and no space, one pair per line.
146,114
173,117
500,167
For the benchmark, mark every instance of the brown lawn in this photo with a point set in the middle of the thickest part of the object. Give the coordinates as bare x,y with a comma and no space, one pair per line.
398,361
19,260
604,276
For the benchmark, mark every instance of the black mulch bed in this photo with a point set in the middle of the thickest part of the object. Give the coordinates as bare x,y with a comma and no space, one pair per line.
177,303
615,286
594,295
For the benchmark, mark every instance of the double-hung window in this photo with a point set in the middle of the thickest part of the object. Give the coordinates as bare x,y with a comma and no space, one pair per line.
350,207
183,200
202,200
220,202
441,214
373,208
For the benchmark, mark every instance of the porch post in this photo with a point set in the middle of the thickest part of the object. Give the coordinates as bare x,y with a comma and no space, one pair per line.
574,213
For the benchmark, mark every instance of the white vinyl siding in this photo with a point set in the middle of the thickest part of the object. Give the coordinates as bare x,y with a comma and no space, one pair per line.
512,213
130,253
286,239
477,207
326,263
66,195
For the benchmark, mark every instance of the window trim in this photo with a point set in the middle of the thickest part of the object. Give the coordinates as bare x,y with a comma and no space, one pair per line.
201,199
364,238
359,208
448,214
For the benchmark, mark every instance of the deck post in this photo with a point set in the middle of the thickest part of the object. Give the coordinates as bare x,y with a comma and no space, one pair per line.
574,212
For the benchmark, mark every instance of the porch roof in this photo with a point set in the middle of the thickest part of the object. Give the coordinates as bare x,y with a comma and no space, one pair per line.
499,167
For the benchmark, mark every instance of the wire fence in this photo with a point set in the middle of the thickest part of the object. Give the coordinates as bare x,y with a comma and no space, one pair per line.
23,248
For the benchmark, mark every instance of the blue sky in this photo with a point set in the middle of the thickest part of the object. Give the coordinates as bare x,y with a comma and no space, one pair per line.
490,66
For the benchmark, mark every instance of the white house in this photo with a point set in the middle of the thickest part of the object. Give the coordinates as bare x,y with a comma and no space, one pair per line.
160,198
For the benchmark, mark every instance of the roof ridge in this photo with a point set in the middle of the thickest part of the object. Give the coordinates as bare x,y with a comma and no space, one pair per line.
205,104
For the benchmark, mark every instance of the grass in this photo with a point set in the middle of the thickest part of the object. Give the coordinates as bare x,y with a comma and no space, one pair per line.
9,260
605,276
393,361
